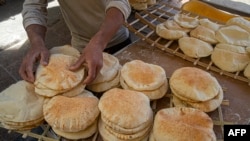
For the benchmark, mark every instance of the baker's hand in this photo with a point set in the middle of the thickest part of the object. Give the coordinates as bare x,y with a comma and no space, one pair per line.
92,58
34,54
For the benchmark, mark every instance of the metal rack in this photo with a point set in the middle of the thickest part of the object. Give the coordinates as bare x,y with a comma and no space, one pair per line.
144,26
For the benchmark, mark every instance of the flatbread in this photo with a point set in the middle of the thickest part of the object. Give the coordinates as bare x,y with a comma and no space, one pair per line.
194,83
66,50
151,94
194,47
109,70
23,104
204,34
71,114
83,134
140,75
233,35
171,24
206,106
107,136
113,100
186,21
56,75
181,123
230,58
209,24
169,34
239,21
106,85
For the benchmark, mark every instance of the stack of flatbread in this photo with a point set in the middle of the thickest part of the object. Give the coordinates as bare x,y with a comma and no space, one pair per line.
230,53
182,123
140,76
56,78
109,75
126,115
193,87
72,117
230,58
20,107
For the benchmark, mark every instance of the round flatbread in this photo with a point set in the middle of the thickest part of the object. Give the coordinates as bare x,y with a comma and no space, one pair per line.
230,58
113,100
71,114
140,75
20,103
181,123
233,35
194,47
194,83
56,75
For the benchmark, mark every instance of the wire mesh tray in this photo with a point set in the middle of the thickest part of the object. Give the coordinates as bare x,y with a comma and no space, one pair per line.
144,26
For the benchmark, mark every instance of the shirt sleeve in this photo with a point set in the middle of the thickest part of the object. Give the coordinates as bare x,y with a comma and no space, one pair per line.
122,5
35,12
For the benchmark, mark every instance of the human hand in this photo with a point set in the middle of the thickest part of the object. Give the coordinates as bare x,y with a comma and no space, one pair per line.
34,54
92,59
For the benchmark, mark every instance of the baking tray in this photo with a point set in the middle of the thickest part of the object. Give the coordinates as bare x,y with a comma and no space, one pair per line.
144,26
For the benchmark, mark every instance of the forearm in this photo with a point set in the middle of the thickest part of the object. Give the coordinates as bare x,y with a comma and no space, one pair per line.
113,21
36,34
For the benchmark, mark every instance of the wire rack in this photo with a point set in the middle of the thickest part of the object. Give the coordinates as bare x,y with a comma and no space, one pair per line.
144,26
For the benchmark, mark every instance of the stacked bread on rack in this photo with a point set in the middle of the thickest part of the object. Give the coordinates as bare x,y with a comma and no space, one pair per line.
224,44
72,117
109,75
20,107
196,88
147,78
182,123
126,115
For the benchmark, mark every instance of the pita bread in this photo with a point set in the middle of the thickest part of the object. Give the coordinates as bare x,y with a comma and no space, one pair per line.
181,123
171,24
71,114
107,136
194,83
233,35
194,47
83,134
169,34
186,21
126,131
109,70
239,21
57,76
140,75
106,85
24,105
113,100
66,50
204,34
230,58
209,24
151,94
206,106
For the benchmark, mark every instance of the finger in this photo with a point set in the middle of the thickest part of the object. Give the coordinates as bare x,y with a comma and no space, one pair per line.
77,64
45,59
27,73
91,75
